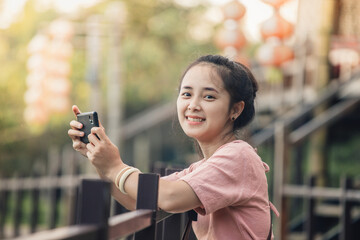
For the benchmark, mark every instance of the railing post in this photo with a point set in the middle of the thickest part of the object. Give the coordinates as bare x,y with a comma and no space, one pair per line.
35,196
172,225
147,198
54,193
4,197
159,168
94,205
310,216
18,210
119,209
345,218
281,155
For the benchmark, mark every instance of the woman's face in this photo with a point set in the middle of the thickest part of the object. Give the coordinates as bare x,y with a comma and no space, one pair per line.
203,105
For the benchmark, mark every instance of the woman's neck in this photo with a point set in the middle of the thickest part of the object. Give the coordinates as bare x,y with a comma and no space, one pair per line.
208,148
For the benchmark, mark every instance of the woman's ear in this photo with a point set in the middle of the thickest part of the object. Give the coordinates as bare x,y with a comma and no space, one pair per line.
237,109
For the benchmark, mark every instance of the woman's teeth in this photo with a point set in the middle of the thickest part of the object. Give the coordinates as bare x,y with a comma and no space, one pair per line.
195,119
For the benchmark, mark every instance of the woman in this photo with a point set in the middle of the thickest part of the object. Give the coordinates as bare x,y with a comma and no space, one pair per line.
228,187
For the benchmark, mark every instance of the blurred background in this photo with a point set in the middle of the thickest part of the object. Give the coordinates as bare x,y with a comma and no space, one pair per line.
124,59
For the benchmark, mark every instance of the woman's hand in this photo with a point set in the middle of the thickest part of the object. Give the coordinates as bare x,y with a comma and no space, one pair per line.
75,133
103,154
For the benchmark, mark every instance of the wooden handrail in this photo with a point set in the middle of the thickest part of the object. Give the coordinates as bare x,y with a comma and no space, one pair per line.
320,192
128,223
118,226
65,181
162,215
65,233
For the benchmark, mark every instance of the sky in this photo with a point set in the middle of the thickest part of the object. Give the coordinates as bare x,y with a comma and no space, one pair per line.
12,8
256,11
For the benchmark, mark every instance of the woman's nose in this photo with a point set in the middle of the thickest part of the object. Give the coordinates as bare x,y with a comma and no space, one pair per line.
194,105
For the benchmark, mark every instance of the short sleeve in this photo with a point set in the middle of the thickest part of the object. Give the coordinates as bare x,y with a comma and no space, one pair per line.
177,175
230,177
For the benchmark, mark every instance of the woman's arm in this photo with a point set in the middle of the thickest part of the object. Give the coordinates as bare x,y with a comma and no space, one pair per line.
177,196
125,200
174,196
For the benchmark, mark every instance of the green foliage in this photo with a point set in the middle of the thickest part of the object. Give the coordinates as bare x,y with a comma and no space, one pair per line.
156,49
344,160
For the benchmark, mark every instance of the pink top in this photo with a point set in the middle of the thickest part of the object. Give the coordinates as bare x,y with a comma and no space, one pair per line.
233,190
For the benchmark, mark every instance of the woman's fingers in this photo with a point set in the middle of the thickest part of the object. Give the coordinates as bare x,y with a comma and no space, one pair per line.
75,133
93,139
78,145
100,132
76,125
75,110
90,147
88,154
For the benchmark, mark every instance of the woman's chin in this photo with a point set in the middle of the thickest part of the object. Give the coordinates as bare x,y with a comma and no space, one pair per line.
192,135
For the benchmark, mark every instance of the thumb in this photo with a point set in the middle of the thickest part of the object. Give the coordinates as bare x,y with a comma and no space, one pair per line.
75,110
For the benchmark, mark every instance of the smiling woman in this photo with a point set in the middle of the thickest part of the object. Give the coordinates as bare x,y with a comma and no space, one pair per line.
228,187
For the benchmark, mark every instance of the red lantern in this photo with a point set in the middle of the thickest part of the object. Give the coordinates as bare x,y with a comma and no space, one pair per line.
234,10
35,114
61,29
57,86
274,54
35,79
282,54
58,67
240,58
58,103
60,49
49,69
276,26
230,38
275,3
34,96
38,44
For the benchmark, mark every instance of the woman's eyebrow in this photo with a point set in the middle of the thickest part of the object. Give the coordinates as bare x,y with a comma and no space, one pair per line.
210,89
187,87
204,89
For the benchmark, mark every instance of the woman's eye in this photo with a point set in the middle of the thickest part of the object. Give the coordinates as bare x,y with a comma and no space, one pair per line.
186,94
209,97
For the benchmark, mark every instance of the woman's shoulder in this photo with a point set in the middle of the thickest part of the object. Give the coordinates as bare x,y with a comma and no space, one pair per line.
236,146
238,152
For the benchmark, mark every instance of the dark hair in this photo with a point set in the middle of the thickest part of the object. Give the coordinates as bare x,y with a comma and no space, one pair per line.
238,81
